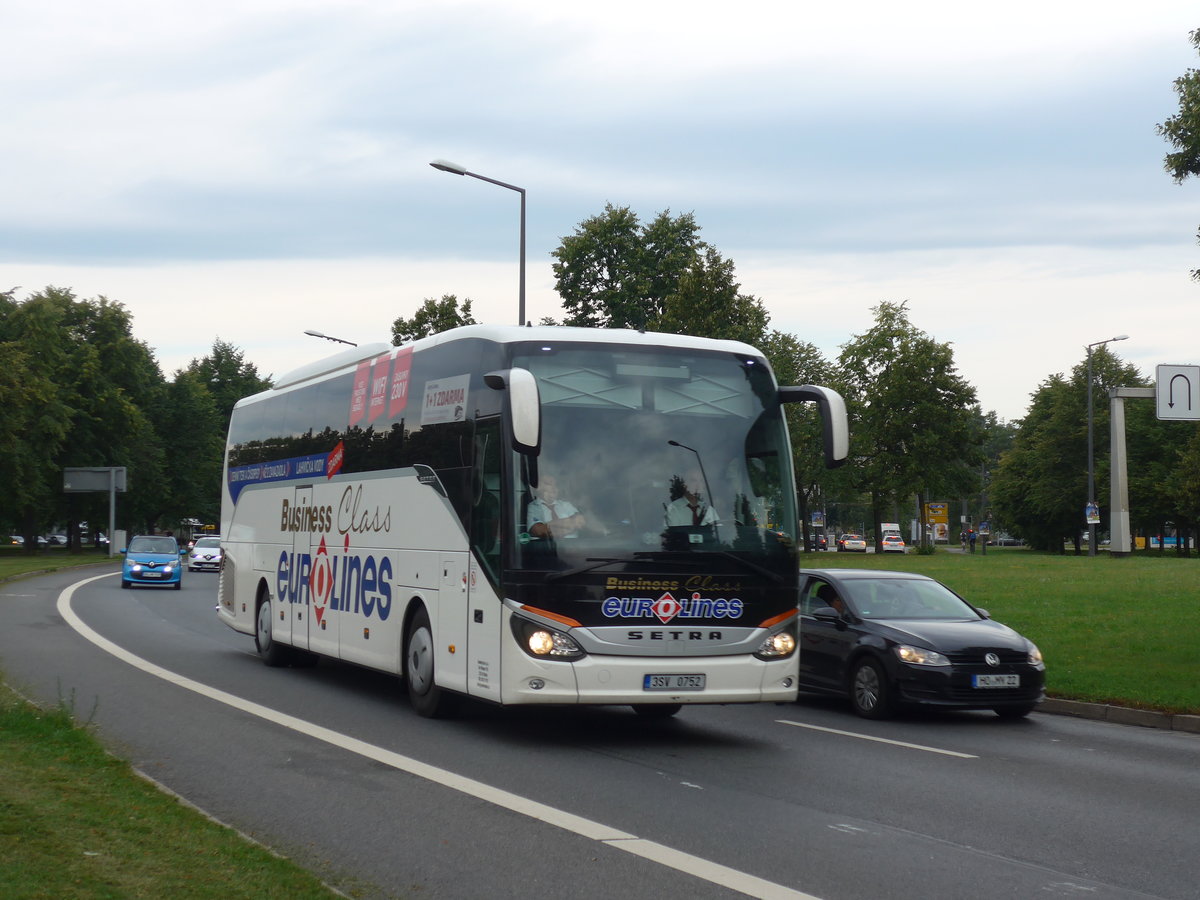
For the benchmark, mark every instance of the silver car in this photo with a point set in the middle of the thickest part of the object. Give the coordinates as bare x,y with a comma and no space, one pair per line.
205,554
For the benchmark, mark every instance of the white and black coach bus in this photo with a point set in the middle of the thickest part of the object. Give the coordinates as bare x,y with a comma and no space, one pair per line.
525,515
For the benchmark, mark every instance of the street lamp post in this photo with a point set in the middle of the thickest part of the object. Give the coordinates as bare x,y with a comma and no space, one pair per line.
455,169
1091,497
330,337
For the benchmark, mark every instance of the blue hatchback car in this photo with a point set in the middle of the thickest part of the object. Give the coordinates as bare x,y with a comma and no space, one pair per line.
152,559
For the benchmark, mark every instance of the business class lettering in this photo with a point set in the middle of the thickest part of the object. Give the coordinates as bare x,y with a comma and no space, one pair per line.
666,607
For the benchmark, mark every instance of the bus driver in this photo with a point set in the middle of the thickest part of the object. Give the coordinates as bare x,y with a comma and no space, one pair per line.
551,516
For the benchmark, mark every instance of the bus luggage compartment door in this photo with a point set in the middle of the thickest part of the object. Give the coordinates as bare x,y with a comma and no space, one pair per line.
451,626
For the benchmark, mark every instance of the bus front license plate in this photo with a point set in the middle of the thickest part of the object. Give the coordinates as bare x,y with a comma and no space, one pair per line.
673,683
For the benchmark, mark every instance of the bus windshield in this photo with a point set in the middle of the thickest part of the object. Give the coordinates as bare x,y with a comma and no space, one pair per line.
648,454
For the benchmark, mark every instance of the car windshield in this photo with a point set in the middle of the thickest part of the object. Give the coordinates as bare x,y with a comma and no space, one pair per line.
906,598
208,542
153,545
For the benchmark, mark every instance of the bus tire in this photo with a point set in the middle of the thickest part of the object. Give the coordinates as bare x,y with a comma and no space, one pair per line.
653,711
272,653
426,697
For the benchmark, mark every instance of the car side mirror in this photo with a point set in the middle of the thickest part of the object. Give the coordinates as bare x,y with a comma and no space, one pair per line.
983,612
827,614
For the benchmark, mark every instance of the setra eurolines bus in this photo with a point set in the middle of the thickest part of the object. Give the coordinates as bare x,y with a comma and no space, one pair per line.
525,515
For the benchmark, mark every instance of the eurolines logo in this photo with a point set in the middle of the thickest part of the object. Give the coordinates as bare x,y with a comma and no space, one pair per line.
667,608
343,583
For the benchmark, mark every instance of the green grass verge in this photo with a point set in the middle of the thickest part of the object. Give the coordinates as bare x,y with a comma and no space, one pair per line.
77,823
14,562
1113,630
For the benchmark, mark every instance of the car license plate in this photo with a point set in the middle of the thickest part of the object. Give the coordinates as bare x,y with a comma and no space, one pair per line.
152,574
673,683
996,681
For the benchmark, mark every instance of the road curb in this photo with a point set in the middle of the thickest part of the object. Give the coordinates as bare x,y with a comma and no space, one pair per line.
1121,715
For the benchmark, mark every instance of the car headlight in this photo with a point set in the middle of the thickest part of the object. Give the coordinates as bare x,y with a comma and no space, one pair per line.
919,656
779,645
1035,655
136,567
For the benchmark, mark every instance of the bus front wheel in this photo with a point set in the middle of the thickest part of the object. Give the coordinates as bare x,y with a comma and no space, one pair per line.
426,697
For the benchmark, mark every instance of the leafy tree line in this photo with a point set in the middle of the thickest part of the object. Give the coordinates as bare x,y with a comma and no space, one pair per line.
1040,485
80,391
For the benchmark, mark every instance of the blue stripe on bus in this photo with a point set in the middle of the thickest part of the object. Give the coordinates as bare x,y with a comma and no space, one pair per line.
311,466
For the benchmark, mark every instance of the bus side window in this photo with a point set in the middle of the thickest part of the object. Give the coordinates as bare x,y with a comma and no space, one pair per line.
485,495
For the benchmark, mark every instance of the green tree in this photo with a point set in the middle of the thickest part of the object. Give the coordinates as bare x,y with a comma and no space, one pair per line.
707,301
1182,130
106,389
914,419
228,378
798,362
34,423
613,272
1040,486
434,317
194,451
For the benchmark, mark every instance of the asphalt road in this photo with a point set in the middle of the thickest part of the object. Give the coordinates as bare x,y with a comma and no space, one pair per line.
330,767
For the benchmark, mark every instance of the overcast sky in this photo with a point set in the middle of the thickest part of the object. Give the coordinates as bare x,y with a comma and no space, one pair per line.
250,169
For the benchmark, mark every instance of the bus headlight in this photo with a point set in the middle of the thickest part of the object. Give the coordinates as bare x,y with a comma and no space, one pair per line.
779,645
541,642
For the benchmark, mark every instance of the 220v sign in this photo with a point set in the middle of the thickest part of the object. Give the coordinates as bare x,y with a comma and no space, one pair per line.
673,683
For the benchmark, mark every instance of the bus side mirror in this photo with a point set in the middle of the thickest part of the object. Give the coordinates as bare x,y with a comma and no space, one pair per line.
524,406
833,417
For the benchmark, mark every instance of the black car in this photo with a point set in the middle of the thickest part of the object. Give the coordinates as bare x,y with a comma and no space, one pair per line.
885,639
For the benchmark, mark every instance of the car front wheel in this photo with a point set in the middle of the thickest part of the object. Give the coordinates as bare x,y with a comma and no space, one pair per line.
870,693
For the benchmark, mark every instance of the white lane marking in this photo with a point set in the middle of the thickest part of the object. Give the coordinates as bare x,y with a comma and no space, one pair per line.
867,737
733,879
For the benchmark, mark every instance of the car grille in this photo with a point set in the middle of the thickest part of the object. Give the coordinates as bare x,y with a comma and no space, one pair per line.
972,659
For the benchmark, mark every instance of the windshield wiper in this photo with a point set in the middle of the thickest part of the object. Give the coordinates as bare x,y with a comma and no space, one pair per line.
749,564
596,563
664,558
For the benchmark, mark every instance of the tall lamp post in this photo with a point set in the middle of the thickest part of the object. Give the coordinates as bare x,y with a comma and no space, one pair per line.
455,169
1091,501
330,337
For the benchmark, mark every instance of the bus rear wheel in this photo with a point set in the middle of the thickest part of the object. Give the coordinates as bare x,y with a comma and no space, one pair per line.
426,697
272,653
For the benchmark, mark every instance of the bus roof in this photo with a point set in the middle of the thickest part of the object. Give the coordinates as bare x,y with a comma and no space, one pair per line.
511,334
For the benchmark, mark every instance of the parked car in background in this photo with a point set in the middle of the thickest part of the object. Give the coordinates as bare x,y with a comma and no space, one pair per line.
152,559
852,543
205,553
886,639
818,542
893,543
16,540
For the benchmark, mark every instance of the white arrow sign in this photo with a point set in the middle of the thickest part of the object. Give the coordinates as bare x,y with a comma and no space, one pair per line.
1177,393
